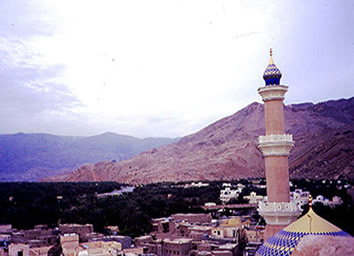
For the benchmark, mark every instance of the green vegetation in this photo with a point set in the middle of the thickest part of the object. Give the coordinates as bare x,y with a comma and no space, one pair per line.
26,204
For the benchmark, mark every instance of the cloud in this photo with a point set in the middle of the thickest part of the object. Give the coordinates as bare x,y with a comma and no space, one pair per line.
151,68
30,90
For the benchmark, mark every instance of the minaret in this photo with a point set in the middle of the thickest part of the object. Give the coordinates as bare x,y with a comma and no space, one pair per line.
278,212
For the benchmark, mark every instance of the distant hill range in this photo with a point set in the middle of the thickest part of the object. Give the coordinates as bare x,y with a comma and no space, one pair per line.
227,149
30,157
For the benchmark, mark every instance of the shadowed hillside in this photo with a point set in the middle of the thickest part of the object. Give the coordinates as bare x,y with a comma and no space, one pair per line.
227,149
30,157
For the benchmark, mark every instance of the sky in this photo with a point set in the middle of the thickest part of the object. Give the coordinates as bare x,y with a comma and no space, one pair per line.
163,68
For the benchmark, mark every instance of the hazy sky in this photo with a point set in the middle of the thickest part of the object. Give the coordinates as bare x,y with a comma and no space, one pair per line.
163,68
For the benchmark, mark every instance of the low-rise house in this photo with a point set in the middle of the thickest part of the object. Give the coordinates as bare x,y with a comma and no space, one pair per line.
40,236
254,235
253,198
4,228
254,238
83,230
225,232
180,247
69,244
125,241
132,252
18,250
40,251
71,247
196,184
300,197
227,193
193,218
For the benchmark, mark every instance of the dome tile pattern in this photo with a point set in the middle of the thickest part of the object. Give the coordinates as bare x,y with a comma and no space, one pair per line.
284,242
272,74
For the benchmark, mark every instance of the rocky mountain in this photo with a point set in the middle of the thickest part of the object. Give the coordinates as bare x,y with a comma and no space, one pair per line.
226,149
29,157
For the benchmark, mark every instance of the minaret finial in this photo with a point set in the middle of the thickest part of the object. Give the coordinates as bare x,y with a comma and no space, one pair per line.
310,201
271,52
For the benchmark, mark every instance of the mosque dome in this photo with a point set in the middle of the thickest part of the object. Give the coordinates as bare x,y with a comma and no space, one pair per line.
284,242
272,74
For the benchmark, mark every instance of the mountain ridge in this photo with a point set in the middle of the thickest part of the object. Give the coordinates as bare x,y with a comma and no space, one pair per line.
29,157
227,149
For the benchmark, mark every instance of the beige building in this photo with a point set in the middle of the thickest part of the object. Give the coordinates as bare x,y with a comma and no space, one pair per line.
225,232
84,231
71,247
70,244
100,248
39,251
18,250
40,236
179,247
254,236
192,217
5,228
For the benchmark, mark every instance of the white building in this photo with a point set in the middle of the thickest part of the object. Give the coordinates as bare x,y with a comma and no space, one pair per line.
336,200
227,193
253,198
300,197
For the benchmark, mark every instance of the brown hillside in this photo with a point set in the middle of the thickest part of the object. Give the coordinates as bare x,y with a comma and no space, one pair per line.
226,149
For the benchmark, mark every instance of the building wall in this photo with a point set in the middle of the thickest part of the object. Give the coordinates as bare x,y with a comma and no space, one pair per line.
192,217
274,117
254,236
82,230
39,251
5,227
277,176
70,244
18,250
225,232
177,248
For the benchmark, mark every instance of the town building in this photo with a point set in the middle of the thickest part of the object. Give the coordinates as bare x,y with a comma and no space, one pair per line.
125,241
300,197
198,184
18,250
193,234
228,192
83,230
336,200
39,236
71,247
253,198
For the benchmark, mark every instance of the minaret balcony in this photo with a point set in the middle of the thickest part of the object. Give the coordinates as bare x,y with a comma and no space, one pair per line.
276,144
279,213
273,92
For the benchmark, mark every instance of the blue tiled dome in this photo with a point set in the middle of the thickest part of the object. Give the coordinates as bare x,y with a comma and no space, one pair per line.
272,74
284,242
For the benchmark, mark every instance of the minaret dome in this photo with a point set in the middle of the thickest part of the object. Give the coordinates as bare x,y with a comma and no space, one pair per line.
272,74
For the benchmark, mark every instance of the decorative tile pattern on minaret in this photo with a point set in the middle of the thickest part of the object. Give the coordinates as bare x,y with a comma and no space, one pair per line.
285,241
275,146
272,74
